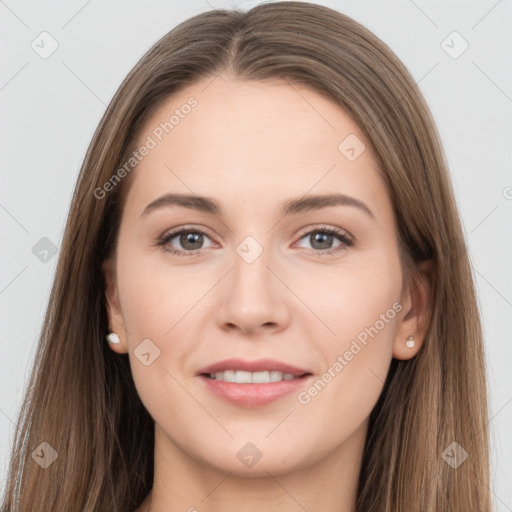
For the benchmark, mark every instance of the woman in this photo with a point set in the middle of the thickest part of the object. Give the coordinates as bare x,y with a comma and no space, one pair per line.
196,355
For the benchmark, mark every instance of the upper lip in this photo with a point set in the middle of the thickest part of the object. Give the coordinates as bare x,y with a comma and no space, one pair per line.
259,365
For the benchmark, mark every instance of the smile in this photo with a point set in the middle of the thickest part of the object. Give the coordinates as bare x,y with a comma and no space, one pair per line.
245,377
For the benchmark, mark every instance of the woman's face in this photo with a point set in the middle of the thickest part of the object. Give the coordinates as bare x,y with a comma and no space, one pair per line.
261,291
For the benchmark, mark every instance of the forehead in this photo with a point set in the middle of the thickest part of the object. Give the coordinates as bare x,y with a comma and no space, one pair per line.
242,141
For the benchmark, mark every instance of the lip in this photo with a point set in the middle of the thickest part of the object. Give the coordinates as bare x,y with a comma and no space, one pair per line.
254,395
259,365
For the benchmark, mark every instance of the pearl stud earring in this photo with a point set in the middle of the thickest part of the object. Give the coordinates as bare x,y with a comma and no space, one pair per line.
410,342
112,337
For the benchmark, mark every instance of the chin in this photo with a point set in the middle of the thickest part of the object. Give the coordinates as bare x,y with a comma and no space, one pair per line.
259,458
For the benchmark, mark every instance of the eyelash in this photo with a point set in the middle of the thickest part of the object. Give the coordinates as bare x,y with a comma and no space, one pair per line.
167,237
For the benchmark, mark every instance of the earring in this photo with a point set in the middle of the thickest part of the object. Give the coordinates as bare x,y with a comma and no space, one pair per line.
410,342
112,337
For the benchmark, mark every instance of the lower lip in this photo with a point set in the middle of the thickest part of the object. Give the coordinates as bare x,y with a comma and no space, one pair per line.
254,395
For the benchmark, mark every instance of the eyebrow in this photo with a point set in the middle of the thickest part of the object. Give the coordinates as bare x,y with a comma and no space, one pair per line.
289,207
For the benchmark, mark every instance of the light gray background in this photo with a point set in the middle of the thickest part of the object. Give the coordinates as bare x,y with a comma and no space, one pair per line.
50,108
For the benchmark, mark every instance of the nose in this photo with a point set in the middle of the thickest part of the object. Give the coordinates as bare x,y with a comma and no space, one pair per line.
253,299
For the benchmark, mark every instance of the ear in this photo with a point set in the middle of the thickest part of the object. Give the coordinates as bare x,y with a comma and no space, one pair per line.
415,318
115,317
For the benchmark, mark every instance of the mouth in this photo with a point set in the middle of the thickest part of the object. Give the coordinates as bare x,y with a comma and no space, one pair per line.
245,377
253,383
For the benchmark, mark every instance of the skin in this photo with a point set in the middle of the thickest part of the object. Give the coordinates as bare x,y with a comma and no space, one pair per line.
252,145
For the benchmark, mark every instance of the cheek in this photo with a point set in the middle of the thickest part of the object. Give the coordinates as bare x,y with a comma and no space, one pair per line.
361,307
154,296
159,302
353,298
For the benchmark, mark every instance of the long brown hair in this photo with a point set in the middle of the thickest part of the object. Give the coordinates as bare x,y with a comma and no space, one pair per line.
81,398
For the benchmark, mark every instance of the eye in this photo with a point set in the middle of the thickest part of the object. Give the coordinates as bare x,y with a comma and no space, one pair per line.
321,240
190,239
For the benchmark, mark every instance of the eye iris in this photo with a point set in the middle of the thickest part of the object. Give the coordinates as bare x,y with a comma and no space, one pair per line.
191,238
322,238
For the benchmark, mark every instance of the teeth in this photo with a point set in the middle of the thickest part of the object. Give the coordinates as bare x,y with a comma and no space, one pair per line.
276,376
260,377
244,377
